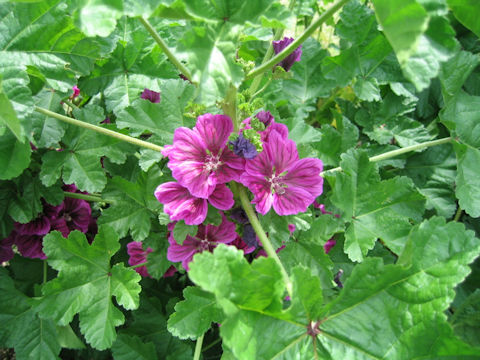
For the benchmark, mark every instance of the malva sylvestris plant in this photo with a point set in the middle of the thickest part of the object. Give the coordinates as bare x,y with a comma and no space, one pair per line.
239,180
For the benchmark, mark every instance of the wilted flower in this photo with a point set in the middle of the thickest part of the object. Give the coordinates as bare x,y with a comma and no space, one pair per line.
150,95
278,178
199,158
207,238
243,147
288,62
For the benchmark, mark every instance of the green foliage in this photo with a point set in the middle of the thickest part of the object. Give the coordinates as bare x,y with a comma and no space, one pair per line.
374,208
14,155
85,284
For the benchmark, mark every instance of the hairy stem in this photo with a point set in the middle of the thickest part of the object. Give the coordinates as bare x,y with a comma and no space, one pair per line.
198,347
397,152
165,48
458,214
99,129
267,245
87,197
301,39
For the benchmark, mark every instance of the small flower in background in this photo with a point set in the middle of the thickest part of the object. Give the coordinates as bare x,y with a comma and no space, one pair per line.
76,92
150,95
242,245
291,228
278,178
206,239
138,256
199,158
296,55
180,204
329,245
265,117
6,252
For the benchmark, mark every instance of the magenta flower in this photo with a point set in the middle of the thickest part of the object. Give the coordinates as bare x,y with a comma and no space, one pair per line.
278,178
199,158
296,55
138,256
30,246
242,245
76,91
207,238
265,117
329,245
150,95
291,228
181,205
72,214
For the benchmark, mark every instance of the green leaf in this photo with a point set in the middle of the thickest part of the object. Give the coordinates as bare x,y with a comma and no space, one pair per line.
14,155
374,208
455,71
433,172
161,119
135,64
133,205
32,337
435,258
194,315
403,23
466,319
41,36
181,230
307,297
213,216
466,12
131,347
467,181
210,53
86,283
7,114
68,339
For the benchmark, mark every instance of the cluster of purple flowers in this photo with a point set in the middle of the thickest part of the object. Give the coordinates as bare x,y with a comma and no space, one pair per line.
71,214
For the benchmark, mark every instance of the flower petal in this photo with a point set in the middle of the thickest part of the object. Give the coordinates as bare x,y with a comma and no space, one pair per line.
214,131
194,177
281,151
184,252
224,233
187,146
293,201
263,197
222,197
180,204
260,167
305,174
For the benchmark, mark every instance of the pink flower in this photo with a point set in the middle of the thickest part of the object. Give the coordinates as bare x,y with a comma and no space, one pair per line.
329,245
181,205
138,256
150,95
76,91
278,178
207,238
291,228
199,158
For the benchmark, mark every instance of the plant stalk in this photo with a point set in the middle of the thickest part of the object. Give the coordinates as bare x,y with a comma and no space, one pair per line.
99,129
198,347
165,48
267,245
397,152
297,42
87,197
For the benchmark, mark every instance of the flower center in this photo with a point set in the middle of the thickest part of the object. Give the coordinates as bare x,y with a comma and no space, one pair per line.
203,245
212,162
277,186
67,217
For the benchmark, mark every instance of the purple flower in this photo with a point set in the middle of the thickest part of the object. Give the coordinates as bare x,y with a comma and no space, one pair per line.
239,215
73,214
207,238
181,205
249,236
329,245
138,256
150,95
288,62
278,178
244,148
265,117
6,252
199,158
291,228
30,246
242,245
39,226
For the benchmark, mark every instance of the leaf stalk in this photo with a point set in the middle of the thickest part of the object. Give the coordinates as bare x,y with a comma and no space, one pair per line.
87,197
198,348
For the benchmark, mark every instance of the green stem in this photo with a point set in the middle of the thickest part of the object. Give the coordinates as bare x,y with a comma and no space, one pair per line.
212,344
87,197
277,36
165,48
99,129
458,214
261,90
397,152
267,245
301,39
69,103
198,348
138,265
